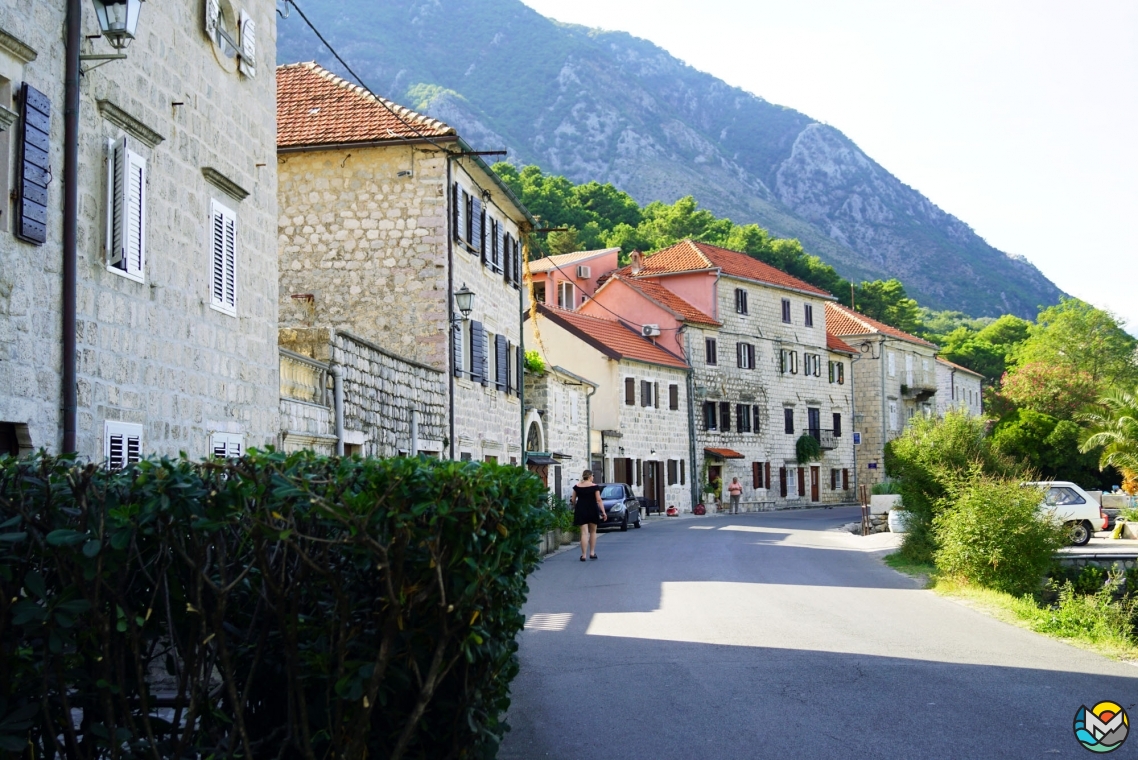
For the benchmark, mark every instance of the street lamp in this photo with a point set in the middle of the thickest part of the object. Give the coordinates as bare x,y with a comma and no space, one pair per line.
118,20
464,300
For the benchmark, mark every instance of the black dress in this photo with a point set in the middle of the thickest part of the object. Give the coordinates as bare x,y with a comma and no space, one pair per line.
586,510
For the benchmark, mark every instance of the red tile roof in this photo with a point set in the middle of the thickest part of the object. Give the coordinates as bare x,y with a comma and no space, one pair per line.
316,107
844,321
669,300
834,343
725,453
690,256
959,368
612,338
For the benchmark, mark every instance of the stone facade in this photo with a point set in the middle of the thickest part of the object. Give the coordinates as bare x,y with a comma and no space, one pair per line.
958,388
150,349
557,424
370,252
392,405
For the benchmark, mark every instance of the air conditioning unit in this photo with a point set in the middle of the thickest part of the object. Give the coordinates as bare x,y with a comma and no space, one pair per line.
650,331
584,272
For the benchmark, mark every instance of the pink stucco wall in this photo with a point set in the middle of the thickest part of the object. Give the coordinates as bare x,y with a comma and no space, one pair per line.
599,265
617,300
698,289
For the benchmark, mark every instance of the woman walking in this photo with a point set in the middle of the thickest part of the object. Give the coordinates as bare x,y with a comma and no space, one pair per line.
588,510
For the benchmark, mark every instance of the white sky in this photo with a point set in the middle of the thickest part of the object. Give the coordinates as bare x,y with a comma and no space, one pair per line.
1018,117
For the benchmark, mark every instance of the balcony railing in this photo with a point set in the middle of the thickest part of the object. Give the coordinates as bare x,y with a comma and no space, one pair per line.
920,391
826,438
303,379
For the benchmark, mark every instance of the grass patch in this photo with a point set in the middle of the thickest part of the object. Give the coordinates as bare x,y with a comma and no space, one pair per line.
1096,622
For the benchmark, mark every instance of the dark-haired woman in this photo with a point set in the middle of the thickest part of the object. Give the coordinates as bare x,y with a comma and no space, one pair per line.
588,510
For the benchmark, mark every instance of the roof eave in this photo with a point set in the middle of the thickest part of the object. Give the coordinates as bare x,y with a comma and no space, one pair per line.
313,147
822,294
498,181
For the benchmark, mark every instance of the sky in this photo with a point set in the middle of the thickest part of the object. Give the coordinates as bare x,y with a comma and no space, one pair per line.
1017,117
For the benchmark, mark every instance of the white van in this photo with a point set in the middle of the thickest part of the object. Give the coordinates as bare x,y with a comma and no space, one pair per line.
1074,507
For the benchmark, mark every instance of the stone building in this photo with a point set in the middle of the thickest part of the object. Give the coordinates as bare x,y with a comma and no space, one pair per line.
558,406
639,427
386,214
176,266
568,279
895,379
958,388
765,370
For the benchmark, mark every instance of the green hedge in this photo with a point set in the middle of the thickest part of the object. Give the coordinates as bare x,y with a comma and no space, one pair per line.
273,606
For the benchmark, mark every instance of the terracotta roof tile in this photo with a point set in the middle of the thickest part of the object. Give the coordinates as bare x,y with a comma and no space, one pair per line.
834,343
669,301
689,256
316,107
611,337
843,321
565,259
959,368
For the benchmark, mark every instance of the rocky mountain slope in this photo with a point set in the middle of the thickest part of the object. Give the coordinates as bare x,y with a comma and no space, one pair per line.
607,106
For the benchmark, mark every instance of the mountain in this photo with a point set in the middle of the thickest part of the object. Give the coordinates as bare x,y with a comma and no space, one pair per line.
607,106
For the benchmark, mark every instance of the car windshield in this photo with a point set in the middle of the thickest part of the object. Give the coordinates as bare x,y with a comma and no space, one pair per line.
1060,496
612,492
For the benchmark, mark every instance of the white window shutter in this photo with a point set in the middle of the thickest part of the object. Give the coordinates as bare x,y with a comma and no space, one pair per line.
116,186
248,46
223,258
226,445
122,444
134,216
212,14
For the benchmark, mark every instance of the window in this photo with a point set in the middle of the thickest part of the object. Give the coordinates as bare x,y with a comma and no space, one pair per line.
892,415
892,364
709,351
838,372
788,420
837,425
788,361
122,444
465,456
709,417
226,445
812,364
1060,496
565,295
745,355
477,352
756,474
646,389
786,310
126,210
743,418
629,391
223,259
539,292
909,370
740,301
833,479
724,416
808,314
673,397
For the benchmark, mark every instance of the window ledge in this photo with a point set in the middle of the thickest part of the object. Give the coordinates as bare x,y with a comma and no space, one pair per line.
127,275
226,310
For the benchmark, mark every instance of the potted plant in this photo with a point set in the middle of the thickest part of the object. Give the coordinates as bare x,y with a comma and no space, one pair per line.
884,496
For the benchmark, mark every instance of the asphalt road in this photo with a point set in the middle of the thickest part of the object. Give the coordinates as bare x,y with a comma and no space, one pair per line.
768,635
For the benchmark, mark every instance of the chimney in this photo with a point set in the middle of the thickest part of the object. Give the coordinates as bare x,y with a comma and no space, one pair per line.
637,261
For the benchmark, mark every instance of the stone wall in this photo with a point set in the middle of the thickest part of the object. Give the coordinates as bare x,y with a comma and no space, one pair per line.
150,352
957,389
557,405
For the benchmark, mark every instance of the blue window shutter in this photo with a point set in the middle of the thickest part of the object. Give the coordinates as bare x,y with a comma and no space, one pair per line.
33,164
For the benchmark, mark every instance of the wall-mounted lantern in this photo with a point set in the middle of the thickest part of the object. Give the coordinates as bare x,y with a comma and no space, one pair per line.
118,20
464,300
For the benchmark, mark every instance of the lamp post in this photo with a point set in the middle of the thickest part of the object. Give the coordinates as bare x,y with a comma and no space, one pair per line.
118,20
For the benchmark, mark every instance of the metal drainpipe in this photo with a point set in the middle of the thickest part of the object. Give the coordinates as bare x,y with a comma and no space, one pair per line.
70,224
337,373
853,422
693,473
414,433
884,404
522,348
450,302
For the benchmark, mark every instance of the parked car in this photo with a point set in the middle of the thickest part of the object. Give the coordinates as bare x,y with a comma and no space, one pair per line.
1075,508
621,506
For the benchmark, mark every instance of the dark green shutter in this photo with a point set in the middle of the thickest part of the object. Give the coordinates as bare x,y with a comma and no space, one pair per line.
33,166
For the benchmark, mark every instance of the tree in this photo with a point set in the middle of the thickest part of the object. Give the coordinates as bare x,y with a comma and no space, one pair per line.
1048,446
984,348
886,301
1079,336
1113,427
1051,389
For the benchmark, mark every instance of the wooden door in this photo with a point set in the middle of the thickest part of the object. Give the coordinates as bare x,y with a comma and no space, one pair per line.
815,474
651,478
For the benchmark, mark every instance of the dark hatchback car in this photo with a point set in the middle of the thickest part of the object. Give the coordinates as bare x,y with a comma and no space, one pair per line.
621,506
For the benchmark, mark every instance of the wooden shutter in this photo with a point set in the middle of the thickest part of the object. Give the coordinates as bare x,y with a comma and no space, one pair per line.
502,362
841,373
639,470
755,419
33,166
212,13
673,397
223,258
833,479
248,46
459,212
756,474
645,393
656,395
477,352
477,218
456,349
629,391
681,472
738,353
767,468
782,482
725,416
520,368
837,425
739,426
801,481
845,479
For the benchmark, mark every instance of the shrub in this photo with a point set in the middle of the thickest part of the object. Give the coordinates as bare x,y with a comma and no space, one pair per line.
885,488
807,449
991,533
929,455
272,606
1094,617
